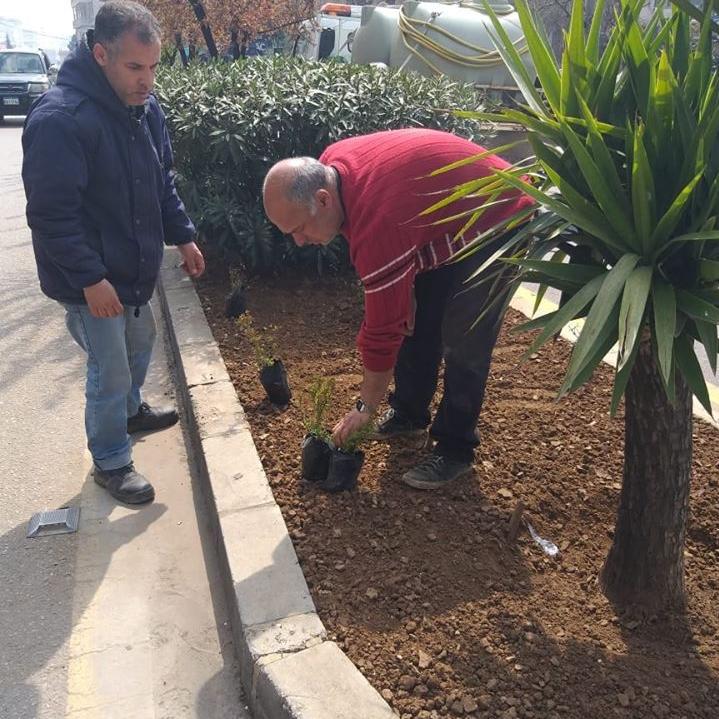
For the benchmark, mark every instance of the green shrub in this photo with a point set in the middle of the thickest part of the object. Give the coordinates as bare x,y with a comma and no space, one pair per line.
231,122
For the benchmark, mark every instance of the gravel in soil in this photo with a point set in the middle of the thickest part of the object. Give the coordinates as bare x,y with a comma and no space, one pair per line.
423,591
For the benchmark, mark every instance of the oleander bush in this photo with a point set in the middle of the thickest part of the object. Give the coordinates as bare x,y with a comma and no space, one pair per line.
231,121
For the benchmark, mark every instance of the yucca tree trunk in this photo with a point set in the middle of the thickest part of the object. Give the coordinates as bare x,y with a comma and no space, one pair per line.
645,566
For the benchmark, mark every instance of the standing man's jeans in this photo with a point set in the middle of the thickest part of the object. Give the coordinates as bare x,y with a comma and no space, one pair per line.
444,319
118,355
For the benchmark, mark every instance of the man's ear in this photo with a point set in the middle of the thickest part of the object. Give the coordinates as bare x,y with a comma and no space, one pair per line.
100,53
323,198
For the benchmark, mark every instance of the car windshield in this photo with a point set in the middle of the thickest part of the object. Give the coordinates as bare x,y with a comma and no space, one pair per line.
21,62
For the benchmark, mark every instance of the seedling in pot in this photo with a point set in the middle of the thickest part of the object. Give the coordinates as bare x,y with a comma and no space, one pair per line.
273,375
346,461
315,444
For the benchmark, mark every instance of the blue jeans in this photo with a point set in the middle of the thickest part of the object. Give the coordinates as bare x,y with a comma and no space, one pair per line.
118,355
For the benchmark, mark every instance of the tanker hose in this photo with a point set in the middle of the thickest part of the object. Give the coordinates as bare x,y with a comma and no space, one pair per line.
415,31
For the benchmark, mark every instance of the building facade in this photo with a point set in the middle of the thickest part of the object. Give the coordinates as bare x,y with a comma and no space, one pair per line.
11,34
83,15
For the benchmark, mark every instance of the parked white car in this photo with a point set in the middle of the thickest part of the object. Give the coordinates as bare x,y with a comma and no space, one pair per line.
24,76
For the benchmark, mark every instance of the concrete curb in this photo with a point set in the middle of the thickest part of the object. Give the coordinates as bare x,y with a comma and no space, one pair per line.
288,668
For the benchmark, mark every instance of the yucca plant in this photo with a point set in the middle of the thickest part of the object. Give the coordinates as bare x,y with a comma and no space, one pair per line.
626,175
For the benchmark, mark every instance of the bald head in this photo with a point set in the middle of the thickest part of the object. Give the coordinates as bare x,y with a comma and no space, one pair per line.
301,197
297,179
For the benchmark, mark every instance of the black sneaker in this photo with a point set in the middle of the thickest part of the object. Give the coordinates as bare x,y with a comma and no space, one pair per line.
436,471
148,419
125,484
392,424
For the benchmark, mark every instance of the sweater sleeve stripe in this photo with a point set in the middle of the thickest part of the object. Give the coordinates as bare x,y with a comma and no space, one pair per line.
403,256
391,282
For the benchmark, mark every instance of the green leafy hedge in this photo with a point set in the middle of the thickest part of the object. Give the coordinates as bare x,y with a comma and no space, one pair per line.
231,122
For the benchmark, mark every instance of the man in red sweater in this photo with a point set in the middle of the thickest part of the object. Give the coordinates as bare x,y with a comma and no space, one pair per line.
371,189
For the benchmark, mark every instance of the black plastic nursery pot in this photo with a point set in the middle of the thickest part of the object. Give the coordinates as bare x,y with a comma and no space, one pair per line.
274,380
315,458
343,470
236,302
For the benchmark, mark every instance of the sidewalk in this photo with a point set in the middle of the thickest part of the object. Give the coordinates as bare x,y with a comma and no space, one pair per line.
147,607
124,618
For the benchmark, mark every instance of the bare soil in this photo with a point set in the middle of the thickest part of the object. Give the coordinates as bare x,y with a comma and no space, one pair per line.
423,590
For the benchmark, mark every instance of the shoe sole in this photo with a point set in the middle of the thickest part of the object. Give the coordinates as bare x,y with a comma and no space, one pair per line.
138,498
428,484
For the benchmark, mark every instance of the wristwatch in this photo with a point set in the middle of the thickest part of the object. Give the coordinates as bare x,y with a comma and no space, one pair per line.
362,406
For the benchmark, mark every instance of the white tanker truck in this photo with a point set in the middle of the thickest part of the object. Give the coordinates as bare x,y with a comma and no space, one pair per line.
431,38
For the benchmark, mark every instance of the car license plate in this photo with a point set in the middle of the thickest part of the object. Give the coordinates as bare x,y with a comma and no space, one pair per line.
11,101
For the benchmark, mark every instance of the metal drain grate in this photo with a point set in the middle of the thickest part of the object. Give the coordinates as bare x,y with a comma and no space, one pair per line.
54,521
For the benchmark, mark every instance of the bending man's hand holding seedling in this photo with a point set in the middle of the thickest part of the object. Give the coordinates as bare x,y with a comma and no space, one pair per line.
374,388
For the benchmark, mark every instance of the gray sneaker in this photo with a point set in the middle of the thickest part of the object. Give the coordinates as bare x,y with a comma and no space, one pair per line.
392,424
436,471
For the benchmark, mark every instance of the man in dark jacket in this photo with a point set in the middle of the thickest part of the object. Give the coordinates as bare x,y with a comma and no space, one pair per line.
100,202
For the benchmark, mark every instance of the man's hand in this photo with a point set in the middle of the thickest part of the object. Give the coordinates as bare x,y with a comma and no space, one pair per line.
374,388
102,300
351,422
192,260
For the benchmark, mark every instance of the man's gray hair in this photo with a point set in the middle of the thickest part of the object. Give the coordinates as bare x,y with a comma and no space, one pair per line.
310,175
116,17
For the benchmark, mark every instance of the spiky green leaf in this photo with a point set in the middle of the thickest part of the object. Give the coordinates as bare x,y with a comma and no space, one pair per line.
689,366
665,314
611,289
708,335
631,316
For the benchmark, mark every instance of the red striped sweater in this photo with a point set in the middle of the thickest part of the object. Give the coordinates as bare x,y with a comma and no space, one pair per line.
384,187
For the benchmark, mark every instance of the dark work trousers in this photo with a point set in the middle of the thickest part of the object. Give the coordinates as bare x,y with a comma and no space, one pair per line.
446,311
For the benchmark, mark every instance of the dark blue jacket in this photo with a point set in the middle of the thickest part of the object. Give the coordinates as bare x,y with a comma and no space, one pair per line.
100,194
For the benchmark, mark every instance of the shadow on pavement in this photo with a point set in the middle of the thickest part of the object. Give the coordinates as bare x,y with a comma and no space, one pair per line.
45,592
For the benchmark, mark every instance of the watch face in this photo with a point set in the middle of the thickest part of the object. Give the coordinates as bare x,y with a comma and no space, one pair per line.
363,407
